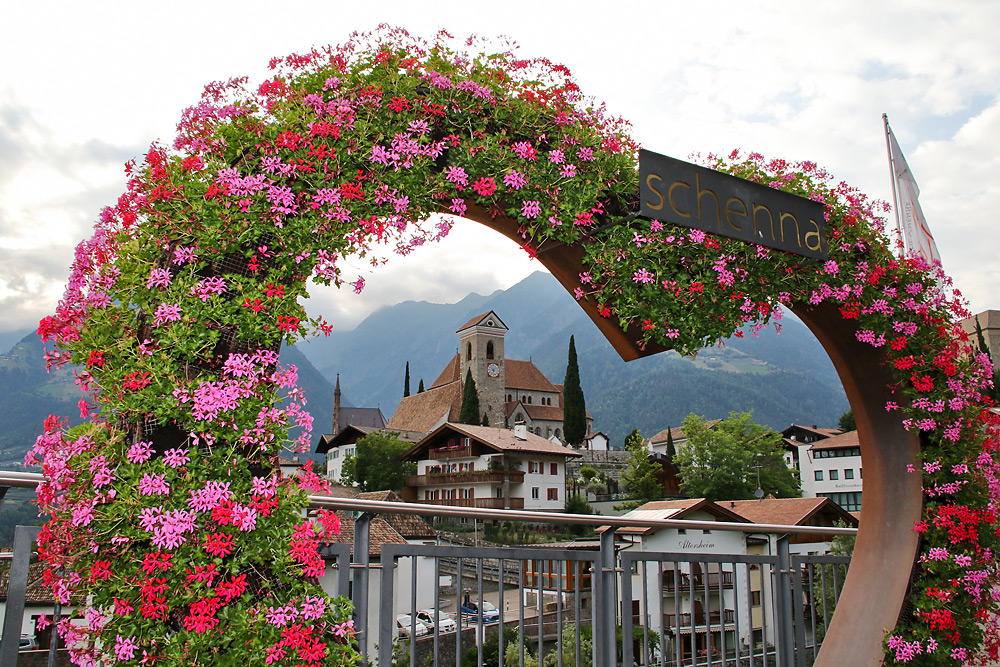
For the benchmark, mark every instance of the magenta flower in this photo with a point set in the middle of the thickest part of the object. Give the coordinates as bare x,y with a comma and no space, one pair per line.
153,485
125,648
175,458
166,312
530,209
515,180
643,276
158,278
567,170
457,176
139,452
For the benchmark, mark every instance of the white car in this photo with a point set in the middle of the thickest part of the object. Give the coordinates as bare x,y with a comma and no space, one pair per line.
404,624
445,621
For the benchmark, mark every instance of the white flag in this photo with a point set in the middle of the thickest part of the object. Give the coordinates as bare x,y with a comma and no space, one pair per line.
916,235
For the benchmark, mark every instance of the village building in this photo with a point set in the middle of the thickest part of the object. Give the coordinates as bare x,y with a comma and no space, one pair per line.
796,435
510,391
349,425
831,468
483,466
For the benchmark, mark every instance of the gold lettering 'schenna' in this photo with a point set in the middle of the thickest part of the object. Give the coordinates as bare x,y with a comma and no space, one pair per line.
735,208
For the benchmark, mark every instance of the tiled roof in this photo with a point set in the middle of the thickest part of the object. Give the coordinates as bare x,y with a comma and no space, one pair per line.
422,412
372,417
818,431
543,412
789,511
449,374
520,374
677,432
500,439
849,439
380,533
677,509
409,526
478,319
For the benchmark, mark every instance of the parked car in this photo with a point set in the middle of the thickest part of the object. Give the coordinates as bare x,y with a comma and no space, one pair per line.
404,624
445,622
470,611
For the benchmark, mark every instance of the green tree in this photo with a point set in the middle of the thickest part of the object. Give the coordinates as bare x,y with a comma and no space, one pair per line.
420,387
574,404
588,472
722,462
406,381
577,504
846,422
639,476
671,450
375,464
486,419
469,414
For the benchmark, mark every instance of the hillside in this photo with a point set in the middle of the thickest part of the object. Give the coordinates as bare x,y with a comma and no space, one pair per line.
783,378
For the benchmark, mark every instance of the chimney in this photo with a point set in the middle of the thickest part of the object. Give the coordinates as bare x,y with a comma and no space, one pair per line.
521,431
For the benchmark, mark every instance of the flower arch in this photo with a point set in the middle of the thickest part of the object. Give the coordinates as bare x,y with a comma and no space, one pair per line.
168,508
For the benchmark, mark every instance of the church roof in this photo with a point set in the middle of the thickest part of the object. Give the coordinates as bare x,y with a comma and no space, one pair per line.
484,320
543,412
449,374
520,374
422,412
361,417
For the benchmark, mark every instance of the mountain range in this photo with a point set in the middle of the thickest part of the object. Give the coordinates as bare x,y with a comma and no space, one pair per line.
784,378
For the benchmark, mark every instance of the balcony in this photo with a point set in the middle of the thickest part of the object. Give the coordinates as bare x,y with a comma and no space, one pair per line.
450,452
481,503
683,583
716,618
466,477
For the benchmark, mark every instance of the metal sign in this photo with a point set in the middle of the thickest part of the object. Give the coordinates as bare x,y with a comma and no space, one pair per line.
692,196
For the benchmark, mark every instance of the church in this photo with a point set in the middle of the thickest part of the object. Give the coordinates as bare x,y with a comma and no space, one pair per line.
510,391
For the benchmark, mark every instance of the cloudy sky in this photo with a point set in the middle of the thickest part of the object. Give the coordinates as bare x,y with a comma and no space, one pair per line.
86,86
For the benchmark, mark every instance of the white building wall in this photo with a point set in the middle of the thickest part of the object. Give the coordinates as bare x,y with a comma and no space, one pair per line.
335,461
839,475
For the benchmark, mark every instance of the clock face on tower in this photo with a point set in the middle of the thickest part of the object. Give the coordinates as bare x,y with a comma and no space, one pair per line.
492,370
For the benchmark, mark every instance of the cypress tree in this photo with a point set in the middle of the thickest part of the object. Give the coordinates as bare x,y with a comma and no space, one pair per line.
486,419
470,401
574,406
671,451
406,381
420,387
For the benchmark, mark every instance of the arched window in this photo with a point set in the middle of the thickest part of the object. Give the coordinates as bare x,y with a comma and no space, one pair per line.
509,398
489,349
538,430
468,351
529,400
558,434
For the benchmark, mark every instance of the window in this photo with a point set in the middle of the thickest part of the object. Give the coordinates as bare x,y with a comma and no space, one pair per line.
529,400
510,398
534,493
499,492
489,350
755,598
532,466
553,494
818,475
848,473
834,475
850,501
554,468
468,351
335,453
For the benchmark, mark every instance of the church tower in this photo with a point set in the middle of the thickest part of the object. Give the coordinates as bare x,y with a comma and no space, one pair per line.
480,348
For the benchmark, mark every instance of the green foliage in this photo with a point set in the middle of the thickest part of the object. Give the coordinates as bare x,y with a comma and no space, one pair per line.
469,413
375,465
846,422
491,647
577,504
721,462
569,648
574,407
588,472
406,381
486,419
420,387
671,450
639,477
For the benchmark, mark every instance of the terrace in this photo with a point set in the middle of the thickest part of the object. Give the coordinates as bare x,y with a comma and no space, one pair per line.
567,599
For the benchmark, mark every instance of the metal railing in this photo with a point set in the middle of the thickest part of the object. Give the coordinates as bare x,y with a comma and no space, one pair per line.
603,603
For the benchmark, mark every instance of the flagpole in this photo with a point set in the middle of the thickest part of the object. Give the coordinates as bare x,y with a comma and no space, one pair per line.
892,174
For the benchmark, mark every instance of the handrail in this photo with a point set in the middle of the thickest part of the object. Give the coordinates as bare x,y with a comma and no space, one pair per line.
32,479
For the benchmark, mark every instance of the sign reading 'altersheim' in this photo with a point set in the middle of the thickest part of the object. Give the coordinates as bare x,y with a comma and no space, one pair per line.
717,203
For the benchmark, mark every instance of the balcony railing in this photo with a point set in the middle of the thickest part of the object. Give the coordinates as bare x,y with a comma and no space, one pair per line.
443,577
699,619
450,452
466,477
483,503
715,581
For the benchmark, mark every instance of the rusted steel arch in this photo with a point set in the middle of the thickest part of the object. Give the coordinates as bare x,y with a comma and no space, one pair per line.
886,547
